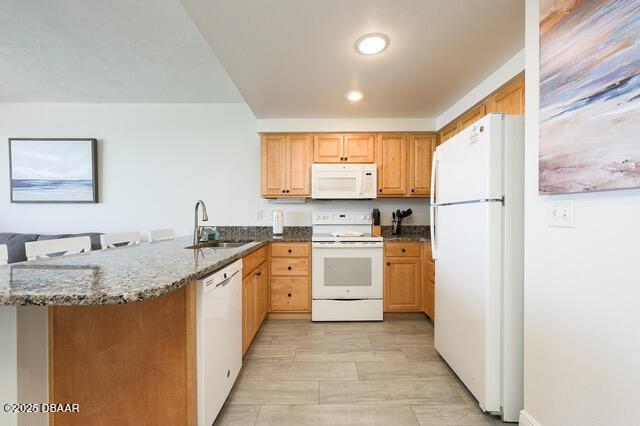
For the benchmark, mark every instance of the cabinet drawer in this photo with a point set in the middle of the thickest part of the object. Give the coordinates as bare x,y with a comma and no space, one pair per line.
290,249
402,249
289,293
293,266
253,260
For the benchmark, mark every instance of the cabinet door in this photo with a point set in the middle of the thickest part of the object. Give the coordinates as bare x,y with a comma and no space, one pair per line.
273,164
248,311
328,148
289,294
473,115
392,164
421,149
510,99
298,165
402,284
262,294
449,131
358,148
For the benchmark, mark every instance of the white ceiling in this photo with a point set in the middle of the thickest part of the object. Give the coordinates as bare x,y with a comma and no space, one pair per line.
296,58
106,51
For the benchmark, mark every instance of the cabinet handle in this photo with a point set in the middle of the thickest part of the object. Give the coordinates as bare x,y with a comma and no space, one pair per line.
413,190
388,263
346,158
379,190
283,191
404,250
289,267
289,250
289,295
258,274
287,191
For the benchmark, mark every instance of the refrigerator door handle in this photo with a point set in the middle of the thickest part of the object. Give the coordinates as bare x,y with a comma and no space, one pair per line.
434,232
432,207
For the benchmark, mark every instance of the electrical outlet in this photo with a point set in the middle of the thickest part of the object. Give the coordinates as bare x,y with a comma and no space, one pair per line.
259,215
562,214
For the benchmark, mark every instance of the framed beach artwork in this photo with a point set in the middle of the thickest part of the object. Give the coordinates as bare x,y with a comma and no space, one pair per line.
589,95
53,170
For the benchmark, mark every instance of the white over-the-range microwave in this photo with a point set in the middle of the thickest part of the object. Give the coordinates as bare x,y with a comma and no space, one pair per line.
343,181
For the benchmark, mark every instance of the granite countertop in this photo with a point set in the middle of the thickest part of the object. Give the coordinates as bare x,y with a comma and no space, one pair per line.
120,275
145,271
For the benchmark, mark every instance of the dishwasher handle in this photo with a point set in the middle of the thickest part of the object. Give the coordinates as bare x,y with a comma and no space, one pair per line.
208,286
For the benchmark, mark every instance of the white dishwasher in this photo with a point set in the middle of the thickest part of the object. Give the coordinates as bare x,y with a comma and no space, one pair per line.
219,338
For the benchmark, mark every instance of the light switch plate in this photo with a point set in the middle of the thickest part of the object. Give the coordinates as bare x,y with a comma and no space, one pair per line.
562,214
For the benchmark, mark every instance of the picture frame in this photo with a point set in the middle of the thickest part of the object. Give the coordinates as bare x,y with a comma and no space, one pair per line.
53,170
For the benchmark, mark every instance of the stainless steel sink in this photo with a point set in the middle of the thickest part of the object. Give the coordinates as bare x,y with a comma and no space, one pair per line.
219,244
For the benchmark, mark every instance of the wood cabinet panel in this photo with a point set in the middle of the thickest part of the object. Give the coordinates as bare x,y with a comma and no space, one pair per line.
328,148
262,294
428,282
138,357
421,149
298,266
510,98
298,160
290,293
273,160
449,131
290,250
402,249
402,284
391,159
358,148
472,116
254,259
248,310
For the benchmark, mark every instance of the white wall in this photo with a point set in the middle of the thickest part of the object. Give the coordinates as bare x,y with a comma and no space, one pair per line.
347,125
155,161
582,286
506,72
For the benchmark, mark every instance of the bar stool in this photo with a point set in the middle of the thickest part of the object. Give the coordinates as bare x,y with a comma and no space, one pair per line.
43,249
119,239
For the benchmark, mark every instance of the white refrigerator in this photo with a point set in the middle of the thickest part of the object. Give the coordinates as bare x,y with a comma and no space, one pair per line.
477,216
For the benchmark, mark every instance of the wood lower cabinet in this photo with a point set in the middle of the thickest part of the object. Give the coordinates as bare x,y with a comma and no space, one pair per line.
290,277
286,165
421,149
402,289
391,159
255,294
428,282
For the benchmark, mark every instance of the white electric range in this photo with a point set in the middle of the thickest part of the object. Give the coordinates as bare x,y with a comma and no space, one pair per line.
346,268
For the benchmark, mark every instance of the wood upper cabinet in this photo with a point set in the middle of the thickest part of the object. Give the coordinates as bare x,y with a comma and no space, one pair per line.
472,116
391,159
402,280
343,148
510,98
298,169
328,148
285,165
421,149
273,151
358,148
449,131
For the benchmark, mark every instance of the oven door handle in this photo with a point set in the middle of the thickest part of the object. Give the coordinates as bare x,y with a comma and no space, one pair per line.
347,245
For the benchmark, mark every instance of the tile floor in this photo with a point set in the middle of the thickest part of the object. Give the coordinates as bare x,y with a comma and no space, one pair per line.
384,373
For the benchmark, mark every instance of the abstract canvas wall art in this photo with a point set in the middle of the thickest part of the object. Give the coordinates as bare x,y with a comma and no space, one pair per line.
53,170
589,95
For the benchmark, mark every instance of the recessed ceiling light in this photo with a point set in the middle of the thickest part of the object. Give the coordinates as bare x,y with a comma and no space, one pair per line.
353,95
370,44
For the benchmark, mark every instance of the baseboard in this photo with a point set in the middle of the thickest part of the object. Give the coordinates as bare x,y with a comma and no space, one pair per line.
527,420
289,316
